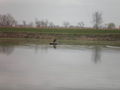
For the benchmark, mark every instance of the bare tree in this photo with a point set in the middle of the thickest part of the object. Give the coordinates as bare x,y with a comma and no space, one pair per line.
16,23
38,24
44,23
7,20
24,23
81,24
41,23
111,26
51,24
66,24
97,19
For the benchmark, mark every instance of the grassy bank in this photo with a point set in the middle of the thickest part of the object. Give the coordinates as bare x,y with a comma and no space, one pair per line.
60,33
27,41
64,36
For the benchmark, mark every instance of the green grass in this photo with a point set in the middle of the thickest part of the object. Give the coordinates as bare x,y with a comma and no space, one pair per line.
62,31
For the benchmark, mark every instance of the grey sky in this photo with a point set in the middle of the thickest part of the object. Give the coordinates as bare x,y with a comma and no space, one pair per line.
58,11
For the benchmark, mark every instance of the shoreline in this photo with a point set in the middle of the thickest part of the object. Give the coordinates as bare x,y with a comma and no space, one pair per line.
92,37
26,41
63,35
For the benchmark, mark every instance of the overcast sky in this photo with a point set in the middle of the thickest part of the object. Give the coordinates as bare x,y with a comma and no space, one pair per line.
58,11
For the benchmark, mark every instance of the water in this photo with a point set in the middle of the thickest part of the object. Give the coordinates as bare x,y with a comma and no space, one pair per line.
43,67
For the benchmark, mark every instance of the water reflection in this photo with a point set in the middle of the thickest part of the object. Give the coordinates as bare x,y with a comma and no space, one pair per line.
43,47
37,48
54,46
6,49
66,68
96,54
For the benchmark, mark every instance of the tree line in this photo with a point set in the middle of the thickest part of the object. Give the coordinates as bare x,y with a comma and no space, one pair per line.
7,20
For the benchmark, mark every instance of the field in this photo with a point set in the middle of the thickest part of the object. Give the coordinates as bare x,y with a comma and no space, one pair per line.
62,31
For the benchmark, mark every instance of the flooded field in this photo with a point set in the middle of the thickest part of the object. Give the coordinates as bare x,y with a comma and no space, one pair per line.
62,67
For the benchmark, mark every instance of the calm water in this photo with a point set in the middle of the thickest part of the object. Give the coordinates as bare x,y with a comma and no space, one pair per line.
44,67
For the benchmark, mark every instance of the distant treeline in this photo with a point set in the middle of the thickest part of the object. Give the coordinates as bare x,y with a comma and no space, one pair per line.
7,20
